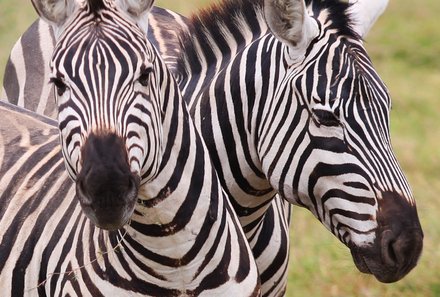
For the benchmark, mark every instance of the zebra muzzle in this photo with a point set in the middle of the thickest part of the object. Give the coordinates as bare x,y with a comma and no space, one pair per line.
106,188
398,244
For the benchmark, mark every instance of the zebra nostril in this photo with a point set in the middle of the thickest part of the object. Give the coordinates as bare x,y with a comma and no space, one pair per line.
389,256
82,192
403,250
132,187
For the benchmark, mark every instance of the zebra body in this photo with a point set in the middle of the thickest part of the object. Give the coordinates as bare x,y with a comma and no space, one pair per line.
296,108
182,238
26,85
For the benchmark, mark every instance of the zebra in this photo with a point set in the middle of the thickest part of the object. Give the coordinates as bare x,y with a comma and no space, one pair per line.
140,172
288,102
254,18
25,85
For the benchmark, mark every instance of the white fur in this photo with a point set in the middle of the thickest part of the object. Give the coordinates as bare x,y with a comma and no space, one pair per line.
365,13
137,10
55,12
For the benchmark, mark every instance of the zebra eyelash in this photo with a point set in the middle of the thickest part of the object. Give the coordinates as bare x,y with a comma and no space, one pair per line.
59,85
325,117
144,77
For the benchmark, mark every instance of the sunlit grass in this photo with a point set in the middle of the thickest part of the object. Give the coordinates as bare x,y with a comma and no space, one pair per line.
405,49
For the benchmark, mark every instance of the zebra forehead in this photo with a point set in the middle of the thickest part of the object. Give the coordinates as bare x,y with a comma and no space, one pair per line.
99,20
105,41
103,26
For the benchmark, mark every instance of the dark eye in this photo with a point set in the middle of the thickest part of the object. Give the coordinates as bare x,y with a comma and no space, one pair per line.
144,78
59,85
325,117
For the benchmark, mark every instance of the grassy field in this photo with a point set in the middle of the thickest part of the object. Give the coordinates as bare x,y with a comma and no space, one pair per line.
405,48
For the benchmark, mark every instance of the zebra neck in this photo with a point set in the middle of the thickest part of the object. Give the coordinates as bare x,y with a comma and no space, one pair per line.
185,175
184,201
215,37
237,117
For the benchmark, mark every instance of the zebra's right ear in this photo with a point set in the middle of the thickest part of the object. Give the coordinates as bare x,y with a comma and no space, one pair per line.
55,12
364,14
289,21
137,10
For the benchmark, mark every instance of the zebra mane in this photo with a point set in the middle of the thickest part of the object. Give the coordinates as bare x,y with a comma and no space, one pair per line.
339,15
208,27
96,5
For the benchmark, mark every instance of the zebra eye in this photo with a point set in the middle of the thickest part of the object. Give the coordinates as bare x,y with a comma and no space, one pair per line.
59,85
144,78
325,117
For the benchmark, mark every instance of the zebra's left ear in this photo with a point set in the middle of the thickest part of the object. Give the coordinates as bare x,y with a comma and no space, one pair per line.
364,13
55,12
138,10
289,21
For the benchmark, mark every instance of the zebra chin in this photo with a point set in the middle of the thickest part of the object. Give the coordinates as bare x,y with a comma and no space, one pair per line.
398,244
106,188
108,212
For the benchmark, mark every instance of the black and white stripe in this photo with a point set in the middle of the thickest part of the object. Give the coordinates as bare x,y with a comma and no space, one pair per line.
49,248
27,70
244,23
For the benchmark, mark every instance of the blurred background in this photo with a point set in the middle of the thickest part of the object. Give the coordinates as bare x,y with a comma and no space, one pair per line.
405,48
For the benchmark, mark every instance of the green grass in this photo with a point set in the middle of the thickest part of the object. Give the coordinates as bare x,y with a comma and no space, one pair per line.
405,48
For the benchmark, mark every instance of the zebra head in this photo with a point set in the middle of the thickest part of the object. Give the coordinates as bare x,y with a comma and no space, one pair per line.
333,128
109,80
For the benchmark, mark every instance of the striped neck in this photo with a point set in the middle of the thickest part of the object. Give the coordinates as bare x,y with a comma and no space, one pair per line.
217,34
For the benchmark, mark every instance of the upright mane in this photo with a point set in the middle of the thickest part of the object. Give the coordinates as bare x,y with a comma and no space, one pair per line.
219,32
96,5
338,13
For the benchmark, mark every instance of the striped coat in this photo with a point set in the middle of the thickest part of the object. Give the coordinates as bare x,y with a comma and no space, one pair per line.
182,237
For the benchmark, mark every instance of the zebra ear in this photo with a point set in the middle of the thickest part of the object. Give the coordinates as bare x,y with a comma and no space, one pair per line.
289,21
55,12
137,10
364,14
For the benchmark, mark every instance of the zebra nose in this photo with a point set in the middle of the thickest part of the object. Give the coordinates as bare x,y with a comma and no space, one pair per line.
106,188
399,240
401,236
